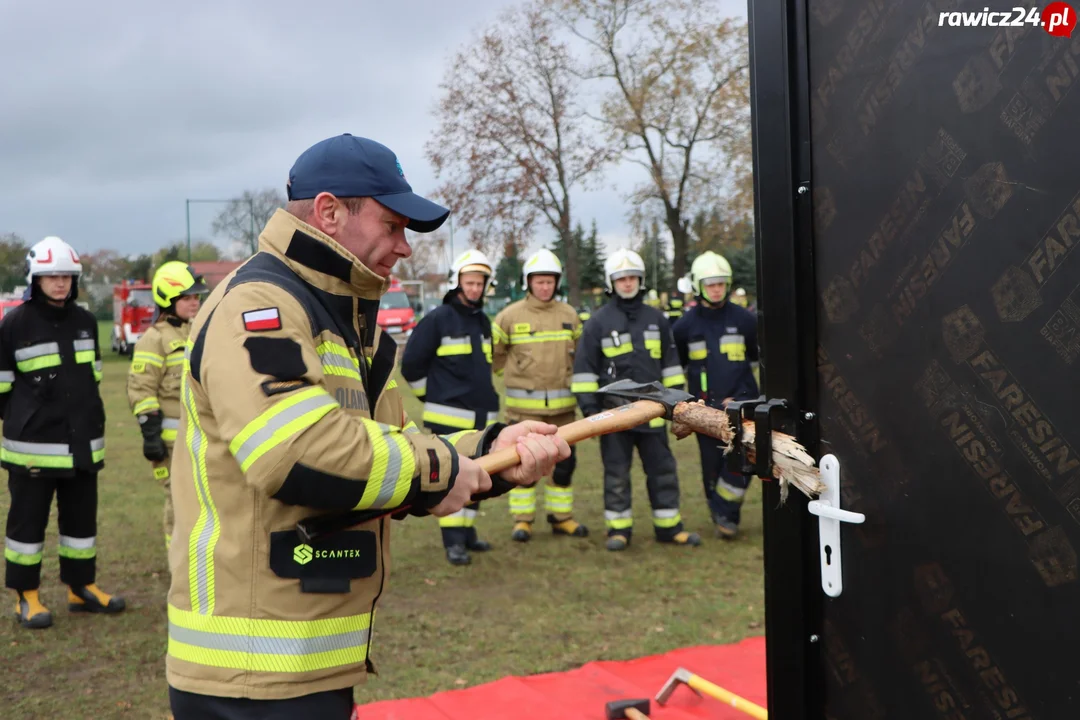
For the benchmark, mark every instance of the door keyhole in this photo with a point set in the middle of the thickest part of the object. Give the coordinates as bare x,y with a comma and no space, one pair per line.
828,555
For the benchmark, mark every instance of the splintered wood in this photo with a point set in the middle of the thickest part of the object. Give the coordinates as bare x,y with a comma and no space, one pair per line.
792,465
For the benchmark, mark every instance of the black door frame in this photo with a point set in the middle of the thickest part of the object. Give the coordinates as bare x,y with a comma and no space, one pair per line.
787,317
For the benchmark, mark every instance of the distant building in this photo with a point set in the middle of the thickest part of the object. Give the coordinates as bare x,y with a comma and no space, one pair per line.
216,270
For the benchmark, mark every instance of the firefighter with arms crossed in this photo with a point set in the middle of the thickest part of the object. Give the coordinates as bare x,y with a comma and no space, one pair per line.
717,343
447,363
534,352
629,339
54,434
157,364
288,411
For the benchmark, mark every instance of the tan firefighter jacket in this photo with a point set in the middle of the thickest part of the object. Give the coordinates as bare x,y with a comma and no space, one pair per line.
533,348
276,426
157,363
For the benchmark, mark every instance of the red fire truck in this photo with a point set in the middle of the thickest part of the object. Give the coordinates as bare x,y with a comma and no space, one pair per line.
396,314
133,312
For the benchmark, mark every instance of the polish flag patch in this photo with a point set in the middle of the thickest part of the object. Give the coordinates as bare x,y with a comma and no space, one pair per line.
265,319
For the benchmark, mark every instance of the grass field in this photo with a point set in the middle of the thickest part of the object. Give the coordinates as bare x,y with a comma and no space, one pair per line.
552,604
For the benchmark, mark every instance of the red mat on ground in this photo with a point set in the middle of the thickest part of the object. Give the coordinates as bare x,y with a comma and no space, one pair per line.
581,694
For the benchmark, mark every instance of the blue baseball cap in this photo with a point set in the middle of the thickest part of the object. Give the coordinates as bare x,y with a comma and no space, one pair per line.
349,166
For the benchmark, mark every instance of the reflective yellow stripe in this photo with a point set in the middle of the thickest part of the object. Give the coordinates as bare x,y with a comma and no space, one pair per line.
454,349
22,553
463,518
523,501
31,460
666,518
552,403
584,387
559,499
546,336
281,646
85,356
499,335
20,558
448,420
204,536
618,520
38,363
675,380
657,422
5,387
704,381
289,417
174,360
616,351
336,360
734,346
699,350
392,467
148,358
168,434
146,405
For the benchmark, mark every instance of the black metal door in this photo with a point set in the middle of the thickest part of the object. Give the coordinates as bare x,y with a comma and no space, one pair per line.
920,309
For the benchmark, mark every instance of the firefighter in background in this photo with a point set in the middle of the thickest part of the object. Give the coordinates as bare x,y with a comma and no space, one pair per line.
675,306
717,343
53,434
157,364
628,339
739,297
533,342
447,363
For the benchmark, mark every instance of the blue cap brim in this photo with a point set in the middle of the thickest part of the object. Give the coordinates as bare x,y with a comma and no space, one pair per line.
424,216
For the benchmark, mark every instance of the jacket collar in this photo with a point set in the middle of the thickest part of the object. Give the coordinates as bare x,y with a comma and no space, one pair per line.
537,304
319,259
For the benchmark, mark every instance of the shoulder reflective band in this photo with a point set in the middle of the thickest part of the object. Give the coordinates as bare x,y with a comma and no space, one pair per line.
609,347
7,377
22,553
336,360
619,520
146,405
698,350
37,357
538,337
288,647
584,383
419,387
539,399
392,467
666,518
84,351
75,548
673,376
169,428
451,416
284,419
97,449
41,455
734,346
454,346
148,357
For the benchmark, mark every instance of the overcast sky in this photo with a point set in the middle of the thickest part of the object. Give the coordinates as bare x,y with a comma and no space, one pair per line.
113,112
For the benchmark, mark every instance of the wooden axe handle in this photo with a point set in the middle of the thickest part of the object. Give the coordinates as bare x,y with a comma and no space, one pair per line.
617,419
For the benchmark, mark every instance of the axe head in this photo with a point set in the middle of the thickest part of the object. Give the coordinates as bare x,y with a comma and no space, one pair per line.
679,677
655,391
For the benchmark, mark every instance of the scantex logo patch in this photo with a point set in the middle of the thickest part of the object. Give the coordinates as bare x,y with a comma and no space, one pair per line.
302,554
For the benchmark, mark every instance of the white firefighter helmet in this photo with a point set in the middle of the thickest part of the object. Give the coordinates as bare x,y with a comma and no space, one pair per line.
541,262
623,263
52,256
739,297
709,268
471,261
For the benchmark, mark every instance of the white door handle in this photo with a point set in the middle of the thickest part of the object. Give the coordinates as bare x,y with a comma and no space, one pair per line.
830,515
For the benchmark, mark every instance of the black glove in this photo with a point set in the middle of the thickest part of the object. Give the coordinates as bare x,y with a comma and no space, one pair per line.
153,448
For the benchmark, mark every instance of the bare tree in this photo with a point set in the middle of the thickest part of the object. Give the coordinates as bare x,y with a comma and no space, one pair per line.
427,256
512,141
678,103
244,217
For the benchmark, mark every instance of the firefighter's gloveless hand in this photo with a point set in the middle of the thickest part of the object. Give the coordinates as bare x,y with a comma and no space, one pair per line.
539,448
471,480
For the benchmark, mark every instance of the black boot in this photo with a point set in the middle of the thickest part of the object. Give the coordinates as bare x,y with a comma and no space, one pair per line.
458,555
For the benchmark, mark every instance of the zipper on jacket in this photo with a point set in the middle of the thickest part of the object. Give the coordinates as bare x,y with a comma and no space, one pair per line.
370,666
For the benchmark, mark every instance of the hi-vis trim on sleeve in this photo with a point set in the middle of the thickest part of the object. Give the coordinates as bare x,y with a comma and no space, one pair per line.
392,467
499,335
146,405
289,647
285,419
419,387
149,358
584,383
7,377
673,376
262,320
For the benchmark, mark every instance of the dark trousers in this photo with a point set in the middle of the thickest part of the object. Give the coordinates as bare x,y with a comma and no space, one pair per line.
329,705
724,490
661,481
28,517
458,528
